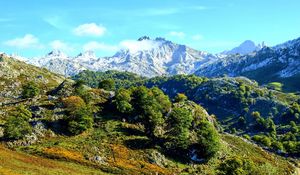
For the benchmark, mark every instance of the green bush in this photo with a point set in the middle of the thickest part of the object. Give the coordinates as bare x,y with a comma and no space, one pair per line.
17,125
236,166
180,97
30,90
262,139
275,86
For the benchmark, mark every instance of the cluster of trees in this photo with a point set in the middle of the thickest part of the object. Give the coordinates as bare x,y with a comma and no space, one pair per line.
17,124
79,115
293,113
237,166
121,79
79,109
286,142
264,125
176,125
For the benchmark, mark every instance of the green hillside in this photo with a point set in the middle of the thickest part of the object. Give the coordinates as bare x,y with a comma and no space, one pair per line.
62,126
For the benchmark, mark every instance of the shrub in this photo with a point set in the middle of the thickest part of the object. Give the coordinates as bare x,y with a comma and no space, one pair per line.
17,125
73,103
180,97
30,90
236,166
246,136
278,146
262,139
275,86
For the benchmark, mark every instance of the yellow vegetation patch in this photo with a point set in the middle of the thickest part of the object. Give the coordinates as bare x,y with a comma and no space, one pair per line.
63,153
16,163
125,158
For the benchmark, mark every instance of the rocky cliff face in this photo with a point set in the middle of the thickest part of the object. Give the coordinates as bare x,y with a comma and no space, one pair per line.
146,57
279,63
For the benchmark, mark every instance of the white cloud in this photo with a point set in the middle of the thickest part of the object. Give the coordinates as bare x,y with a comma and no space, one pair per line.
197,37
134,46
28,41
177,34
89,29
93,45
60,45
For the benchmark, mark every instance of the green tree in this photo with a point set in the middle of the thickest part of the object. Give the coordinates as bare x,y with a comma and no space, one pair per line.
180,121
79,88
107,84
150,105
79,115
122,101
208,139
17,125
30,90
80,120
161,98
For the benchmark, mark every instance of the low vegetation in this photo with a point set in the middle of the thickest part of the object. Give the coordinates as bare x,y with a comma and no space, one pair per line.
125,124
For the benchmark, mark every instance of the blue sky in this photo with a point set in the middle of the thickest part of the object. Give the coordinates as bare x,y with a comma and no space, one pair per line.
33,28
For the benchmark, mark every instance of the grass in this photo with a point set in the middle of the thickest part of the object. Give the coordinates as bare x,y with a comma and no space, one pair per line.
267,161
110,141
13,163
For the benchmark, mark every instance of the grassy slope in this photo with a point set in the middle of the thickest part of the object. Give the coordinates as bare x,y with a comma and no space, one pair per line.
126,151
14,74
13,163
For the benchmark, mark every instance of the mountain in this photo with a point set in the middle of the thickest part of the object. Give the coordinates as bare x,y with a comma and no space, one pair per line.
156,57
58,62
14,74
39,132
246,47
266,116
146,57
279,63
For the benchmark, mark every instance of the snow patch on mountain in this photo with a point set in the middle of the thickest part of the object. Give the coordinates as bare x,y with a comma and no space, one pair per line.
246,47
146,57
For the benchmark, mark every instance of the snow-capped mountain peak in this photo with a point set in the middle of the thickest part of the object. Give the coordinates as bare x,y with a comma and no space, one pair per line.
85,56
57,54
145,56
244,48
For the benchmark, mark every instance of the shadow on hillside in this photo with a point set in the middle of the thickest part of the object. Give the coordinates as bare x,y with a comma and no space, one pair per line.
59,127
139,143
130,131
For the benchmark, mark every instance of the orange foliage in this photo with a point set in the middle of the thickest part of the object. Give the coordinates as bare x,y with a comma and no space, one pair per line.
63,153
124,158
